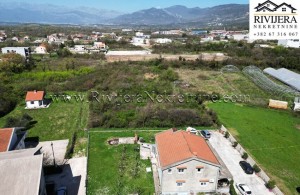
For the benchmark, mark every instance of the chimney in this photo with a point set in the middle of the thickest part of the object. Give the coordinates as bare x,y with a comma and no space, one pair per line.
174,130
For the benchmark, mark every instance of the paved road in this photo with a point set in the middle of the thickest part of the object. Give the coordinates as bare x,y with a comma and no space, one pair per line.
231,158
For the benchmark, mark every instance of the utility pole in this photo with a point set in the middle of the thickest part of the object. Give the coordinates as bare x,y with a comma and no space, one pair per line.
53,154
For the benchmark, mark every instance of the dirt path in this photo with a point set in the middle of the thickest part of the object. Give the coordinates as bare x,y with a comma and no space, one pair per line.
143,57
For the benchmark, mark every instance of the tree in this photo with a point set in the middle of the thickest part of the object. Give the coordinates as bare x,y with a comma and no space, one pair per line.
12,62
8,100
63,52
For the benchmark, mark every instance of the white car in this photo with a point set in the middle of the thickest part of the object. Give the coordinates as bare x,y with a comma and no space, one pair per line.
243,188
192,130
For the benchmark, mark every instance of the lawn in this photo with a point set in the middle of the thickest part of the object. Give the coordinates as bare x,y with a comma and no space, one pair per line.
272,137
57,122
108,174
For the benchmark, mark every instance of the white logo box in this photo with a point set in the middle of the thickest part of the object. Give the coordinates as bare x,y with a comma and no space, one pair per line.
276,19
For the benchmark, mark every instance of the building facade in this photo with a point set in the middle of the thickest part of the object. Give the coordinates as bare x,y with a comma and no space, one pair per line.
23,51
186,164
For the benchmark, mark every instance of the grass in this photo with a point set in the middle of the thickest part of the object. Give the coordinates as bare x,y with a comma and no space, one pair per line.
146,129
57,122
210,81
272,137
104,175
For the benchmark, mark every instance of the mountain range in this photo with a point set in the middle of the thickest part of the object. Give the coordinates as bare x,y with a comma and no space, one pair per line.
178,14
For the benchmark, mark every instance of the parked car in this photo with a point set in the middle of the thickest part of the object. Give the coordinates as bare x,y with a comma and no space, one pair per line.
244,189
206,134
192,130
246,167
61,191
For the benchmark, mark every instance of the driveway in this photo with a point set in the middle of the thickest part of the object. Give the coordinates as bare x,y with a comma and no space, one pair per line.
231,158
59,148
73,176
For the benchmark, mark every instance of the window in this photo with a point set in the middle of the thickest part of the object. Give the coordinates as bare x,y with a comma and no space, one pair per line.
169,171
203,183
179,184
180,170
284,9
32,102
268,5
199,168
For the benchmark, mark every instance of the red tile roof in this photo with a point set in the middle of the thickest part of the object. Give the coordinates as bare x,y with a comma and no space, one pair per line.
176,146
34,95
5,135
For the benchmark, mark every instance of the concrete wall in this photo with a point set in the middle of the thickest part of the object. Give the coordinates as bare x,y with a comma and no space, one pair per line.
263,175
191,177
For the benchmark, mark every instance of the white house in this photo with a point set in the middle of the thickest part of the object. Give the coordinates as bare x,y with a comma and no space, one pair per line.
41,50
15,39
140,39
12,139
23,51
293,43
35,100
163,40
207,39
26,38
79,48
99,45
186,164
139,34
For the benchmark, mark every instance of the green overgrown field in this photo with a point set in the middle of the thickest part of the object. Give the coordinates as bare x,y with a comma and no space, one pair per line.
214,81
272,137
108,174
57,122
142,129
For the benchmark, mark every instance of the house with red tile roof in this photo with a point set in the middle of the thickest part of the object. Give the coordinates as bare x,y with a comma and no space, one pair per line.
186,163
12,139
35,99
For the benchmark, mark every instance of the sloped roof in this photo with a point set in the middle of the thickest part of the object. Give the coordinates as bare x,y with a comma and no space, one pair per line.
177,146
34,95
264,3
5,136
286,76
288,5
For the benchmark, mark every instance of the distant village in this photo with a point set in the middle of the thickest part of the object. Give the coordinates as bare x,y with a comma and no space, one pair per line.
89,43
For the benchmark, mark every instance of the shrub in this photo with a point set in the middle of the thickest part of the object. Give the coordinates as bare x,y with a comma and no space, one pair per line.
271,184
232,189
227,134
245,155
235,144
70,149
256,168
25,121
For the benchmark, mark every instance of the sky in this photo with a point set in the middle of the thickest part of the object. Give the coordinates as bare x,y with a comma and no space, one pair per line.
132,5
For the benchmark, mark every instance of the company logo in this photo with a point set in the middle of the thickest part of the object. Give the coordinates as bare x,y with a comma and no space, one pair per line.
269,6
274,19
